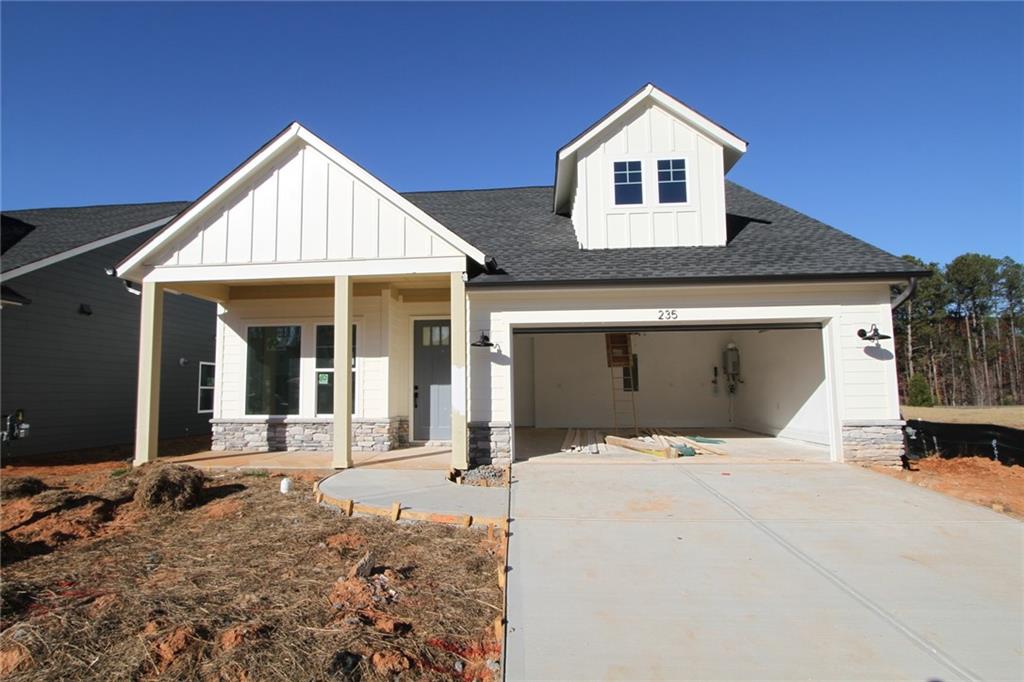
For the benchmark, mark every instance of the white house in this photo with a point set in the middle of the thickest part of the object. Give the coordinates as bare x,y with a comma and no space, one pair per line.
461,316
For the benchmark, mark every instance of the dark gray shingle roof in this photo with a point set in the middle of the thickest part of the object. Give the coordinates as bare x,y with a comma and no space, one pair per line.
34,234
534,245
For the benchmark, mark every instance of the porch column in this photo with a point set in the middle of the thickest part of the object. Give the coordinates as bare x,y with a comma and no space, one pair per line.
342,458
460,435
147,415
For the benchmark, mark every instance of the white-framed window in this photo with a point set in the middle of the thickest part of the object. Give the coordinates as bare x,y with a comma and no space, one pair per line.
628,182
325,369
272,371
207,374
672,181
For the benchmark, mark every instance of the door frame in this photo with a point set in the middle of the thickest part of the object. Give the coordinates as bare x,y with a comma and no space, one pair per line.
410,405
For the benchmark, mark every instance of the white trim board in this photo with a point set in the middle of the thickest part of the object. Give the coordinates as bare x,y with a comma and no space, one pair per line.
133,267
84,248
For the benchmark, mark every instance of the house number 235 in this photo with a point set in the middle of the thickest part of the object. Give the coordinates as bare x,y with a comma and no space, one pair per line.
668,314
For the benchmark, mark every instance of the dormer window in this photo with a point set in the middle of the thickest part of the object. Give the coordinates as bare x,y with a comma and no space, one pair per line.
629,187
672,181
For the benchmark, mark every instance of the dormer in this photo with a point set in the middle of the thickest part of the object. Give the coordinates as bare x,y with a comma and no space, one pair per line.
650,173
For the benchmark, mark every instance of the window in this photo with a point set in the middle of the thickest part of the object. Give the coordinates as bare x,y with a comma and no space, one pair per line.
272,371
631,376
206,374
436,335
672,181
629,188
325,369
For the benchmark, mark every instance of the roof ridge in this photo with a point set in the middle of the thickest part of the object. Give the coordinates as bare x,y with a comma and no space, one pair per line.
66,208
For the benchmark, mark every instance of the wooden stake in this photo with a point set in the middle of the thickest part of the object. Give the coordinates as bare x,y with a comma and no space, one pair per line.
396,510
502,575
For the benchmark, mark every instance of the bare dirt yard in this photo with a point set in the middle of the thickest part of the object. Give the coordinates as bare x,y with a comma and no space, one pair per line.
1011,416
247,585
976,479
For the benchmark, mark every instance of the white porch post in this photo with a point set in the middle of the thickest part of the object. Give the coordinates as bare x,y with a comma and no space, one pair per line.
342,458
147,415
460,435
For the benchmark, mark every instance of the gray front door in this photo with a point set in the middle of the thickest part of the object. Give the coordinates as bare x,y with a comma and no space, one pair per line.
432,380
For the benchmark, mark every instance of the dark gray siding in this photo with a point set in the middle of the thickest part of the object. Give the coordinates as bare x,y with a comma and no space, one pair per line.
75,374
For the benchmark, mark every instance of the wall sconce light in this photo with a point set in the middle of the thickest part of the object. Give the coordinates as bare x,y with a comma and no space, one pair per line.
483,342
182,362
84,309
873,335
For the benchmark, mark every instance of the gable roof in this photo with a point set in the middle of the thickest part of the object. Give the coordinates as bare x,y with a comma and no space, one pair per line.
261,159
771,242
565,158
34,238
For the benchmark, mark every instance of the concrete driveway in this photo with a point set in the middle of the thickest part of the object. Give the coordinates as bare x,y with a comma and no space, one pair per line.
760,571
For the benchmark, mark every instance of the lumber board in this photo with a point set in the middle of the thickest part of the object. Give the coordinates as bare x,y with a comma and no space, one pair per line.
702,447
637,445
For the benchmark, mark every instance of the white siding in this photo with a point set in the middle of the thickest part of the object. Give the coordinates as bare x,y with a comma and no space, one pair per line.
649,134
383,349
864,381
305,208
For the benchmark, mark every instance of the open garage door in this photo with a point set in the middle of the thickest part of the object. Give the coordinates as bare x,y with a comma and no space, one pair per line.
761,389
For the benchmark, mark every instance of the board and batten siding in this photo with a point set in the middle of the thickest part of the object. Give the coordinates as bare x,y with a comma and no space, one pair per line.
304,208
75,375
863,375
648,135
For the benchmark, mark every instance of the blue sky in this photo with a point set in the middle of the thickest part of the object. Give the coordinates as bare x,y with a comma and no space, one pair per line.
900,123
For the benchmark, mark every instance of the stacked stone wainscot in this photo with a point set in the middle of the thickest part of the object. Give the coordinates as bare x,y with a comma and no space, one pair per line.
874,442
306,434
490,443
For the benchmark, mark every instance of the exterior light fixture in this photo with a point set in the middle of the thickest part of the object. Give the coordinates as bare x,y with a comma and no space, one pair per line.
483,342
873,334
84,309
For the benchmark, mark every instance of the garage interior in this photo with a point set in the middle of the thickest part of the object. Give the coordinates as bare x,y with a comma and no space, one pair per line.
753,392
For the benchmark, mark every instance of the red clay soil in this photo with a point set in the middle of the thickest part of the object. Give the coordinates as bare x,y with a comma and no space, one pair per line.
974,479
237,587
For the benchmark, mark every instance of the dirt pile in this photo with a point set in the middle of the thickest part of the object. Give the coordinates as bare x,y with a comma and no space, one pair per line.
487,476
975,479
12,487
174,486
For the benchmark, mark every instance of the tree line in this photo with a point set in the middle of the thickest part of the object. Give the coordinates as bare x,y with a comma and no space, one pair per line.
958,338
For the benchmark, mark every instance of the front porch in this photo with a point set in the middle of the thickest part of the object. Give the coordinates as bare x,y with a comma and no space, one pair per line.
273,398
419,458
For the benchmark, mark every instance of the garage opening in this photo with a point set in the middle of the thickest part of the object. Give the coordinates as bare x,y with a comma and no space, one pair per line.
749,392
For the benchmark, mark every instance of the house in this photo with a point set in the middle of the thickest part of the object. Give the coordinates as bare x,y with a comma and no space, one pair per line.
70,331
641,289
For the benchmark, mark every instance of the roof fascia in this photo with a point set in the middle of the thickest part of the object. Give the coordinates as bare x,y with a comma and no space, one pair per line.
84,248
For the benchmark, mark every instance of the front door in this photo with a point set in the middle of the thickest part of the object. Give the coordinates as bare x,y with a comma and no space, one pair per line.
432,380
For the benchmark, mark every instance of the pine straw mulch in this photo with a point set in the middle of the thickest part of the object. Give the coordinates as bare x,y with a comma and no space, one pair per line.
251,585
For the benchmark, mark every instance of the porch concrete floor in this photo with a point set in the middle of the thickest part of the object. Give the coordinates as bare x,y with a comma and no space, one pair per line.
422,457
543,446
427,491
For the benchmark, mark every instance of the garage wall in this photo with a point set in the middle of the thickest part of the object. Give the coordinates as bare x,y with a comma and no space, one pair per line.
524,373
783,390
573,387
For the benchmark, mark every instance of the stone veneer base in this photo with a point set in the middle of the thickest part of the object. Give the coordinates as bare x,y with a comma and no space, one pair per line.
490,443
874,442
306,434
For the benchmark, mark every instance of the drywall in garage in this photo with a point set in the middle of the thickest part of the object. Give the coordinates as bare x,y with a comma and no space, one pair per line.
783,389
523,356
572,383
562,380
